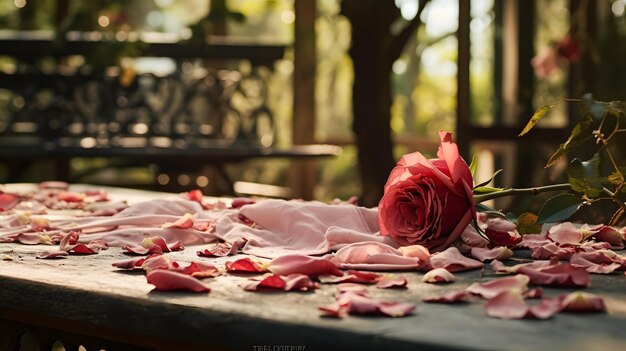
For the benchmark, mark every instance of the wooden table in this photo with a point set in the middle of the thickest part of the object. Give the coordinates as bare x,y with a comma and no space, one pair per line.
84,300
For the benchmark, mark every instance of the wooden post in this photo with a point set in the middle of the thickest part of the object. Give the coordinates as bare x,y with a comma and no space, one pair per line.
463,111
304,173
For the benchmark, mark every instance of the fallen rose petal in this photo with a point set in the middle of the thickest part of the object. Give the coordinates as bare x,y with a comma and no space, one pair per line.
545,309
502,232
438,275
245,265
550,250
459,296
490,289
51,254
131,263
8,201
186,221
217,250
578,302
471,237
334,310
565,234
507,304
610,235
33,239
594,262
69,240
155,262
53,185
452,260
201,270
354,276
497,253
362,305
311,266
563,275
140,250
39,224
164,280
388,282
533,240
535,293
300,282
271,281
501,268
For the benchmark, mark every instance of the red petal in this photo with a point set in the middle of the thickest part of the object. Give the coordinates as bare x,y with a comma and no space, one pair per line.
245,265
535,293
352,287
392,282
550,250
201,270
241,201
164,280
299,282
194,195
594,262
358,304
53,185
140,250
312,266
70,197
155,262
270,281
496,286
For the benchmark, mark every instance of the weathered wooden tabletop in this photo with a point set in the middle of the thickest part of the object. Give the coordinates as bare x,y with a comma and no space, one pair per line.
86,295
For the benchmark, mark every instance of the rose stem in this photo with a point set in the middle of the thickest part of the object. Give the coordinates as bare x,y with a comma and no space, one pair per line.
525,191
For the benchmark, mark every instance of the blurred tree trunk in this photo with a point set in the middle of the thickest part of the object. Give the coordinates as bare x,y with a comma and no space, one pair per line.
373,50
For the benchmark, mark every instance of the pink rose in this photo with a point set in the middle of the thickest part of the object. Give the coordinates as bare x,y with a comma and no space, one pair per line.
428,202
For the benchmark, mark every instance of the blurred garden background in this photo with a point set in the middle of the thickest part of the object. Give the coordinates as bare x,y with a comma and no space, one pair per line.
467,67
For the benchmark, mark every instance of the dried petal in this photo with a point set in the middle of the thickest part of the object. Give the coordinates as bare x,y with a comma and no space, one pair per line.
497,253
451,297
582,302
565,234
387,282
311,266
452,260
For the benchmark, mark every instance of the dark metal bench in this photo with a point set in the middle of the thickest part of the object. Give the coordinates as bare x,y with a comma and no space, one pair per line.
181,121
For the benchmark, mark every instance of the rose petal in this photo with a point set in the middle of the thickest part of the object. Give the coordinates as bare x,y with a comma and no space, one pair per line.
497,253
496,286
506,304
201,270
581,302
471,237
438,275
355,277
535,293
51,254
594,262
245,265
131,263
451,297
388,282
156,261
352,287
565,234
299,282
550,250
165,280
610,235
563,275
417,251
33,239
452,260
238,202
311,266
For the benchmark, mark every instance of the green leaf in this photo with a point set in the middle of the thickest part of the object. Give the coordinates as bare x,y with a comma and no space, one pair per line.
616,178
542,111
577,137
527,224
584,177
594,108
559,208
486,190
473,165
488,180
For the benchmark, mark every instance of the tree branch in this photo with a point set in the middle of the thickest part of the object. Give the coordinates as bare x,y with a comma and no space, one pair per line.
399,40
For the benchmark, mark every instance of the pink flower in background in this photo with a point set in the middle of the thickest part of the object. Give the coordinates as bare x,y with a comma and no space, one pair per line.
546,61
428,202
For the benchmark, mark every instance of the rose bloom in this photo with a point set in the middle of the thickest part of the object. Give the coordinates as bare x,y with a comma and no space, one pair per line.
428,202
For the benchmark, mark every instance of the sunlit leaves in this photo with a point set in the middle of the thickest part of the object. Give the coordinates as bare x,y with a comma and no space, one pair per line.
527,223
579,135
542,111
559,208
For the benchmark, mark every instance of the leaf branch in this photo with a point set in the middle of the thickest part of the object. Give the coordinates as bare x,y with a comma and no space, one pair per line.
399,40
